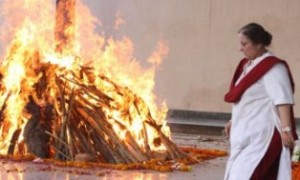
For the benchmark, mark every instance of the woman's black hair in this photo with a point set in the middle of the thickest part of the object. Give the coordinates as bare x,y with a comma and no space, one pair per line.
257,34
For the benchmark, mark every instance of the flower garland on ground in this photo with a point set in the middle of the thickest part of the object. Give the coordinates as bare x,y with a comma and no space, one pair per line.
296,170
194,156
162,165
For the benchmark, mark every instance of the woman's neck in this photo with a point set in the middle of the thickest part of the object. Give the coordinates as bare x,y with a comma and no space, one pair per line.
260,53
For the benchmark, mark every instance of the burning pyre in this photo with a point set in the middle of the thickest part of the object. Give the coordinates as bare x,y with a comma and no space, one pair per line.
77,92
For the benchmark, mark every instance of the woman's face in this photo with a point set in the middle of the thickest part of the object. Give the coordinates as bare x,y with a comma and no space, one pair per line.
250,50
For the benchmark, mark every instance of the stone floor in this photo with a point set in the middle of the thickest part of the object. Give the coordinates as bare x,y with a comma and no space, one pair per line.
212,169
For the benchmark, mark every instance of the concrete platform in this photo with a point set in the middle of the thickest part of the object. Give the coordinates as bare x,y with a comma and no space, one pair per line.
212,169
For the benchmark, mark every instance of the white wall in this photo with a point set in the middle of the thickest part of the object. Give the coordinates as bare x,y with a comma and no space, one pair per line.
202,37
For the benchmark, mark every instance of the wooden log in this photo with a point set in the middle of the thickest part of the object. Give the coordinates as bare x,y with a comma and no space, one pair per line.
89,73
68,115
65,156
82,142
105,149
117,89
100,144
171,147
21,148
75,146
144,131
101,130
13,141
91,91
3,107
62,131
90,144
83,136
58,139
135,149
146,141
91,117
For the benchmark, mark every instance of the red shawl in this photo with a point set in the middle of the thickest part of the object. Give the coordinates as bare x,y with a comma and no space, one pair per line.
236,91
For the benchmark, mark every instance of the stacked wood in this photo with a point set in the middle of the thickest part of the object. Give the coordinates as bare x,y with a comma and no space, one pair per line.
81,124
71,114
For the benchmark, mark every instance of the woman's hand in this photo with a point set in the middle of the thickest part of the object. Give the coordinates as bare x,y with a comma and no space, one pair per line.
227,129
288,139
285,120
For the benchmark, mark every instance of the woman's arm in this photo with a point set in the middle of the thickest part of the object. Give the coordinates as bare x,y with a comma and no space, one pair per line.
286,129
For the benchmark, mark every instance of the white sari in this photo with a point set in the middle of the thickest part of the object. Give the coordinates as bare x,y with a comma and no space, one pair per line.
254,118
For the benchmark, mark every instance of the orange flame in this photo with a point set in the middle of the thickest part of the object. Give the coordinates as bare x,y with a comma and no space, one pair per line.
28,27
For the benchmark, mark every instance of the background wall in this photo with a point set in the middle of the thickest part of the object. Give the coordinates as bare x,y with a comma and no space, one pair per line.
202,37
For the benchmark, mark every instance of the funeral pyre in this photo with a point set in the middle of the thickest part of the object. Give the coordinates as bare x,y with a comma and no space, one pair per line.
76,92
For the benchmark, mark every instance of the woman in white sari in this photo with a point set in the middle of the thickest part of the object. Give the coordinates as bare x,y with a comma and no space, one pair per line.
262,129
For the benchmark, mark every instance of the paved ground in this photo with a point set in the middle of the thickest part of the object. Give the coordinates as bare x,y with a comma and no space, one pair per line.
211,170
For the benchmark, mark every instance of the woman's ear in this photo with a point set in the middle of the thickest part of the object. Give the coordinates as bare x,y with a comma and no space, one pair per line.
259,46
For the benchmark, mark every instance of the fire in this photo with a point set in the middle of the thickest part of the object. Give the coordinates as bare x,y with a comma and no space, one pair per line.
45,51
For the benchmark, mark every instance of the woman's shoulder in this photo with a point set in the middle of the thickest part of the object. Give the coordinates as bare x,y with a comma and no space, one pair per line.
277,72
